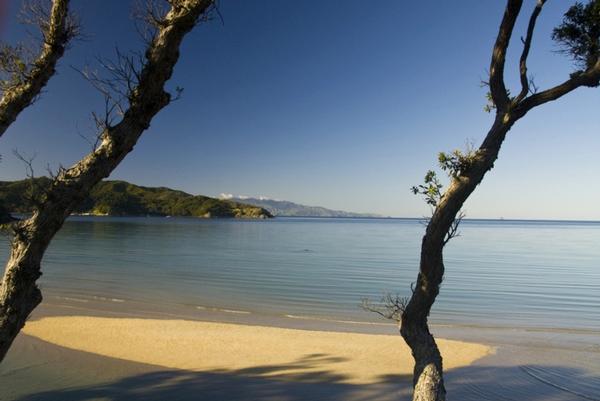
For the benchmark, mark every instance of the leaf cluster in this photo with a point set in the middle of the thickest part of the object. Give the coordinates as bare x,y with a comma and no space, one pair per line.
454,164
457,162
431,189
490,105
579,33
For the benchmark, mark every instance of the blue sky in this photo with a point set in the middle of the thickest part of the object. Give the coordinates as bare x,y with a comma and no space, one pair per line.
338,104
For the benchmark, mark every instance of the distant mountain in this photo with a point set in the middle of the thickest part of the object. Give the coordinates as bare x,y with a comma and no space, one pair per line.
291,209
120,198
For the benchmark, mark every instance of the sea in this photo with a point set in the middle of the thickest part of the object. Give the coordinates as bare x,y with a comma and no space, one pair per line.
499,273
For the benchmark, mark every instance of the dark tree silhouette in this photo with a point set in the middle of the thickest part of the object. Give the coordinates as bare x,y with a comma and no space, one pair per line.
135,93
22,78
579,35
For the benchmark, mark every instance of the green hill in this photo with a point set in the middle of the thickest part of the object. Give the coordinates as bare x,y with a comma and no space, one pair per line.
120,198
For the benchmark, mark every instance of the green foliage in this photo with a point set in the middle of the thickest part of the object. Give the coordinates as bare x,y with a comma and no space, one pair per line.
454,164
579,33
457,162
120,198
431,190
490,106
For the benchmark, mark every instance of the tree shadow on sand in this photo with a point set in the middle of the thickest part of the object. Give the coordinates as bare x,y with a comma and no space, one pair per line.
300,380
281,383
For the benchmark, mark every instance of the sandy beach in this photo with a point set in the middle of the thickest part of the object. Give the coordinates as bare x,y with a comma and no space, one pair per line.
299,355
78,354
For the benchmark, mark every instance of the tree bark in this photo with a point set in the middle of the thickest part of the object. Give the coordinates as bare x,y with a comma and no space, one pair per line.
57,33
428,379
19,294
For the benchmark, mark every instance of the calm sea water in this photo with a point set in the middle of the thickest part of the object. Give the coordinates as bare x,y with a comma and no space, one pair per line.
498,273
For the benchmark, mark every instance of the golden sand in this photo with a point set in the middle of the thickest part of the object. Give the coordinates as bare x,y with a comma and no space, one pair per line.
246,350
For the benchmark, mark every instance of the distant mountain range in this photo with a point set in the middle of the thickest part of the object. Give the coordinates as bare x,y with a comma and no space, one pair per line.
290,209
120,198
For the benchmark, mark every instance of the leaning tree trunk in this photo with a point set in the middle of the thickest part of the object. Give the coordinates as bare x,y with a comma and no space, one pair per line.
57,32
16,286
19,293
428,379
428,376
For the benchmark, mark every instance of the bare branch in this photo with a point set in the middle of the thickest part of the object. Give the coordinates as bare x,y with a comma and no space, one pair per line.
589,78
453,230
390,306
116,82
35,192
95,139
21,81
498,91
526,47
56,24
27,160
533,88
19,293
579,35
149,16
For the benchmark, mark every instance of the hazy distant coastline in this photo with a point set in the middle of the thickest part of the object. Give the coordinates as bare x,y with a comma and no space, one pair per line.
284,208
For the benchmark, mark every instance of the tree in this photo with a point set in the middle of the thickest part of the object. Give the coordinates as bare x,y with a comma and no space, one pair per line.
135,91
579,36
22,79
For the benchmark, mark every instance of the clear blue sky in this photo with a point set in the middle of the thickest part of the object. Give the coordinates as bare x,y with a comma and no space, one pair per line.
338,104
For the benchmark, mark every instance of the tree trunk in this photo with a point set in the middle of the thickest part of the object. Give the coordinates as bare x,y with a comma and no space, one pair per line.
60,29
428,378
19,294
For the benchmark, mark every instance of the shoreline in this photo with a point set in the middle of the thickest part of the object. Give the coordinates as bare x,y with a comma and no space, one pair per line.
264,361
108,306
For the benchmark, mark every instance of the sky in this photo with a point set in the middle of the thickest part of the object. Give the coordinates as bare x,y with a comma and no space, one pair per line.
338,104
